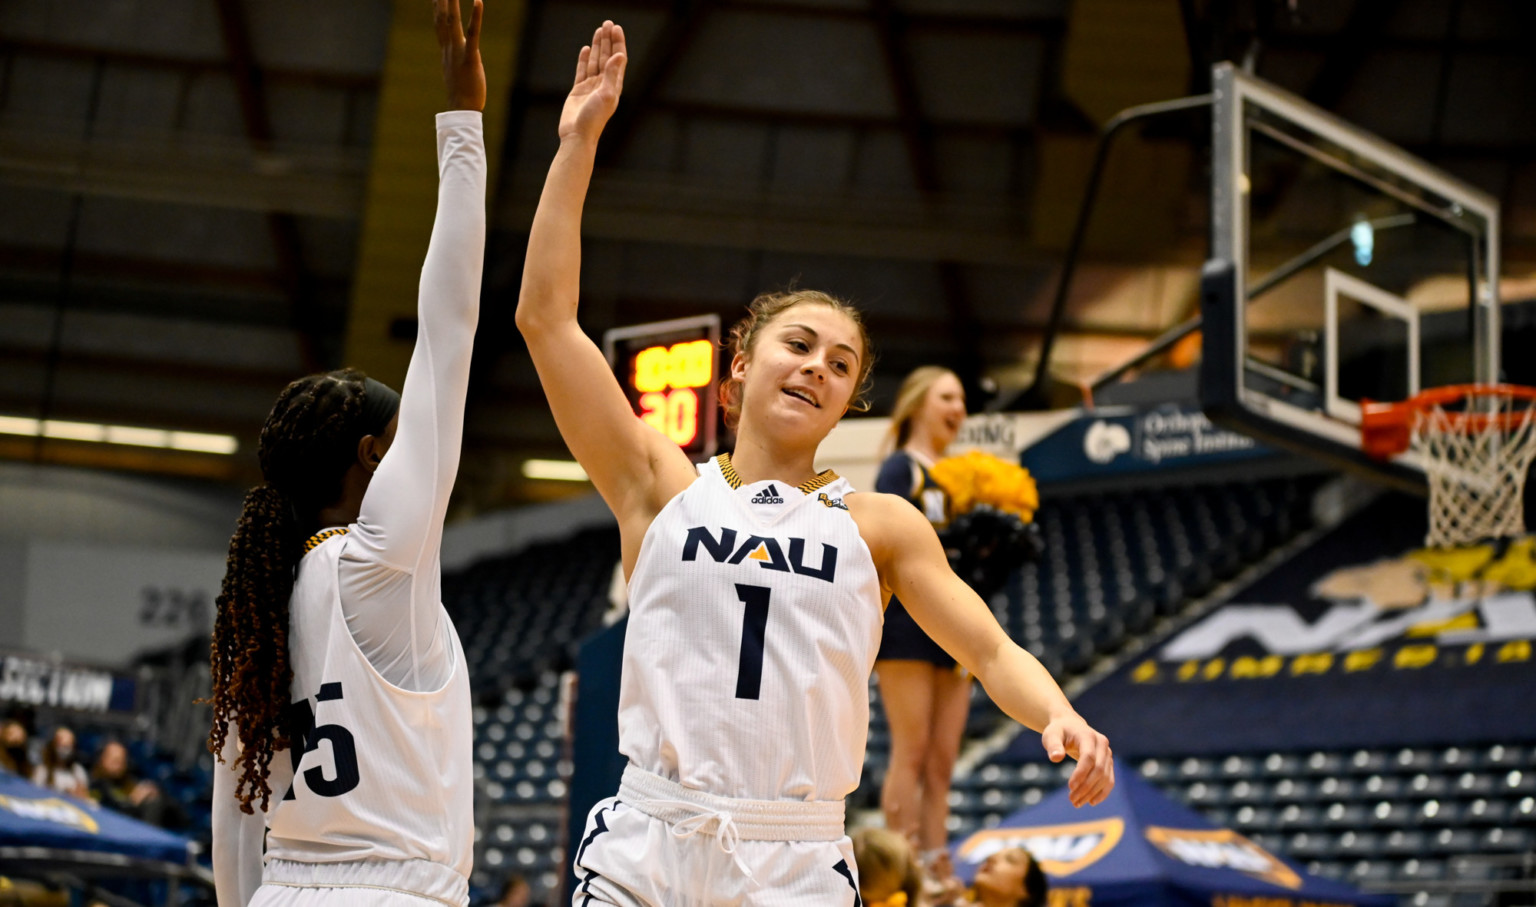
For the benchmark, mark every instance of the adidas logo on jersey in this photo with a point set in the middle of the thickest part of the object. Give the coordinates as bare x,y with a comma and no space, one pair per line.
769,495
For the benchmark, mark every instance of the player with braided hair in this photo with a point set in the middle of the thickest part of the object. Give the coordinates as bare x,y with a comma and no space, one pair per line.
331,642
306,452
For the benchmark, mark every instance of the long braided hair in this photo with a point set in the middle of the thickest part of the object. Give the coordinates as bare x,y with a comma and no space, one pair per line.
307,444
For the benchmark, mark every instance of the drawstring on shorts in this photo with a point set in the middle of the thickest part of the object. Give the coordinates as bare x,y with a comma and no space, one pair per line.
731,820
724,828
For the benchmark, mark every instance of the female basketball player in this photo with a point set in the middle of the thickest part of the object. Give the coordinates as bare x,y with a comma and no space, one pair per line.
756,588
926,695
331,640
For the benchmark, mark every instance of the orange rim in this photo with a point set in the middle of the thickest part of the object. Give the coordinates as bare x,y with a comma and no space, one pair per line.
1386,429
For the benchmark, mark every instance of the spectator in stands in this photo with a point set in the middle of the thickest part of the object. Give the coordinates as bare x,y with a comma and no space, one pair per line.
889,874
115,786
15,751
1008,878
926,694
60,768
515,893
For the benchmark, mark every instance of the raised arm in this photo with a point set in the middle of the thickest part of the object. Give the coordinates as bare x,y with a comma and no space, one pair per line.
635,467
408,497
912,564
389,571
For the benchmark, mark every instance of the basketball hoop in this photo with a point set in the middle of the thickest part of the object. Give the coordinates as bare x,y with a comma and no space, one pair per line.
1476,443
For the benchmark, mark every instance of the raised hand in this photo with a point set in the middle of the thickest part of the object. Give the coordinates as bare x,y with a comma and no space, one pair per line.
599,81
463,73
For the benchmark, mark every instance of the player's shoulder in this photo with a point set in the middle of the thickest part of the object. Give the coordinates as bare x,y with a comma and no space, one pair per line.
882,516
880,503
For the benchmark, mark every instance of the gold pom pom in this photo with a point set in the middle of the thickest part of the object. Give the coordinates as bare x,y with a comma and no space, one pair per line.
976,478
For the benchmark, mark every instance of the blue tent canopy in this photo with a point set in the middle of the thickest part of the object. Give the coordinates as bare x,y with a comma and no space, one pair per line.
36,818
1139,847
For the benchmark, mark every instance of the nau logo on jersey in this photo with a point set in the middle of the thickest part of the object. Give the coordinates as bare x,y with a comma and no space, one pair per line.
831,502
766,550
1061,849
1222,848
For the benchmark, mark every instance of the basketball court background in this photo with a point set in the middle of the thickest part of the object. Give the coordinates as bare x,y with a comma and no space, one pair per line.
200,201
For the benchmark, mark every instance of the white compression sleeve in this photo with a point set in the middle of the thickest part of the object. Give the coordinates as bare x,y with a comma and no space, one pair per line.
237,837
391,579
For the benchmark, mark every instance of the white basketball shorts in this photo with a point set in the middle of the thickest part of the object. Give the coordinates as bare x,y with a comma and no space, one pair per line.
659,845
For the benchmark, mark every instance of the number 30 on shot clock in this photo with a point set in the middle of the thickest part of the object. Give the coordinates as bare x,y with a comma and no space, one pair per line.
670,372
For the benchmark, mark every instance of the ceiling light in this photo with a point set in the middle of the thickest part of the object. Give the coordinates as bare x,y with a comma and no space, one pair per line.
554,470
131,435
203,443
73,431
18,425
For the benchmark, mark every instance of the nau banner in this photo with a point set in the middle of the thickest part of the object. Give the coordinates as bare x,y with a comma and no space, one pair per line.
1362,639
41,824
1121,439
1140,848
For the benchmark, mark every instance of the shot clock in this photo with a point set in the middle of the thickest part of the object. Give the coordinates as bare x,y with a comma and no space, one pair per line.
670,372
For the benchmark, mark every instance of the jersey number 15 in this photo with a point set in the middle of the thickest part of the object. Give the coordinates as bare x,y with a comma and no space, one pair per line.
304,738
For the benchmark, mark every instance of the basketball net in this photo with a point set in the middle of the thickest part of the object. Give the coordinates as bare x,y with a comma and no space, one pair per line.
1475,459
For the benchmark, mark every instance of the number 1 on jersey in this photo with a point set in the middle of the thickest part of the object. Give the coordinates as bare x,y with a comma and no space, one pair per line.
749,671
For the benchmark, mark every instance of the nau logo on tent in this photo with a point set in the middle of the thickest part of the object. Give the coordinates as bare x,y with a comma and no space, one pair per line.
766,550
1060,849
1222,849
51,809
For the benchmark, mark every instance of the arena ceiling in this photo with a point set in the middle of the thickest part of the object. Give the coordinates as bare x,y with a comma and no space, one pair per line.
205,198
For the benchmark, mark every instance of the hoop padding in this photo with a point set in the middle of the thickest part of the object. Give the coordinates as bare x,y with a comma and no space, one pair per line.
1476,444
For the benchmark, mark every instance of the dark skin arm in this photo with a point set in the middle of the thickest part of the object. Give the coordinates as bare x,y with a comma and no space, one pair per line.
464,84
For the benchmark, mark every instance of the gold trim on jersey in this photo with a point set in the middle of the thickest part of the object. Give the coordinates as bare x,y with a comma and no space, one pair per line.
824,478
314,541
728,471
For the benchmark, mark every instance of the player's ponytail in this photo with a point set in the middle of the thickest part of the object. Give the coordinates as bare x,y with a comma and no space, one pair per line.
249,654
307,445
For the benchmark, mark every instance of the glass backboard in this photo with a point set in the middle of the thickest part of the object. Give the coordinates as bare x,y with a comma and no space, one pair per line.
1343,269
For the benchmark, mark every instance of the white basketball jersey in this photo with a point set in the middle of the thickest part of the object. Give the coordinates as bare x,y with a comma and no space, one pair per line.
755,616
373,772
